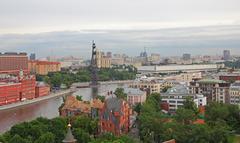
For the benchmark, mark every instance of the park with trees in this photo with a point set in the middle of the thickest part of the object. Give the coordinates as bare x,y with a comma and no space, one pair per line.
67,77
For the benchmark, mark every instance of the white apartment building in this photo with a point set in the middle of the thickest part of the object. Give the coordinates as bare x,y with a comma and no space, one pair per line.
176,96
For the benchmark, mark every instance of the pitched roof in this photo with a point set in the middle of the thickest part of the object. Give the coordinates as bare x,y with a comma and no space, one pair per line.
97,103
114,104
72,103
133,91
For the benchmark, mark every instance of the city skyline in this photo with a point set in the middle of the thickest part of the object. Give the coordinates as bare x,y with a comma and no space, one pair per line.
208,40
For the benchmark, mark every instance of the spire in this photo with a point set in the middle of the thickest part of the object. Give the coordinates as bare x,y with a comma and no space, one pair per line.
69,138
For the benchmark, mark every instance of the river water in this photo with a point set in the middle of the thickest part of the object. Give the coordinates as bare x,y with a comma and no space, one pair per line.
47,108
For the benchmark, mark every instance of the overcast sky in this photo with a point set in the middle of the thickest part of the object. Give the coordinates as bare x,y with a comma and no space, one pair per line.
31,16
168,27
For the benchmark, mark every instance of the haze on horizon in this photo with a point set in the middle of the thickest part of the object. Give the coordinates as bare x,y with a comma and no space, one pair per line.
166,27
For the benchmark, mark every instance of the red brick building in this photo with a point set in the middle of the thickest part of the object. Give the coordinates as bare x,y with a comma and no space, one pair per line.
231,77
13,62
18,88
42,89
9,93
114,116
28,84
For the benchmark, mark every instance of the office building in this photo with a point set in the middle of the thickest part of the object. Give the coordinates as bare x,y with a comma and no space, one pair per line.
32,56
13,62
186,57
226,55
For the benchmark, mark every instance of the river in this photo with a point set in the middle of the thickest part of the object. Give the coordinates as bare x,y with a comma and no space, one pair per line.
46,108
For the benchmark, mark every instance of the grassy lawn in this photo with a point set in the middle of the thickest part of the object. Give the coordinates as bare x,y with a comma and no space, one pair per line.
234,139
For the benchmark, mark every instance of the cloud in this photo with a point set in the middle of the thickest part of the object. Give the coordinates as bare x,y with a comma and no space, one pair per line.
171,41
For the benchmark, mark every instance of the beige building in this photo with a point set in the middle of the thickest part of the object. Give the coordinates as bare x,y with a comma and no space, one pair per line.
154,58
214,90
153,86
234,92
102,60
43,67
185,77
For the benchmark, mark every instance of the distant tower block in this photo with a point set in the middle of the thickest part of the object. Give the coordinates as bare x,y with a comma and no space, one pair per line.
94,69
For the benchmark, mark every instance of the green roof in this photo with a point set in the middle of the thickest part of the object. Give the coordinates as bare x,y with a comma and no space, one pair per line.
211,81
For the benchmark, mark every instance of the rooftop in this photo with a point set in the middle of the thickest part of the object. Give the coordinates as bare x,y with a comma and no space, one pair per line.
133,91
178,89
72,103
113,104
211,81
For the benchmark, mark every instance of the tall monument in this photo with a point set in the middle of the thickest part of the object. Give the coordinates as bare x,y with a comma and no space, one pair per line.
94,69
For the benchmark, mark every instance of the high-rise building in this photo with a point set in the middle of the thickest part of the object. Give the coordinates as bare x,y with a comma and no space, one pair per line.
13,62
32,56
226,55
186,56
102,60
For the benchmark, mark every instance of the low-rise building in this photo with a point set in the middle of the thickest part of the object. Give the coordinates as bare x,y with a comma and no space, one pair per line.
176,96
19,88
177,68
74,107
214,90
114,116
43,67
135,96
185,77
42,89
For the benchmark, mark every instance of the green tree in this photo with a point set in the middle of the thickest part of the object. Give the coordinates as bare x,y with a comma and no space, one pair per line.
79,98
17,139
81,135
119,92
185,116
189,104
137,108
46,138
102,98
